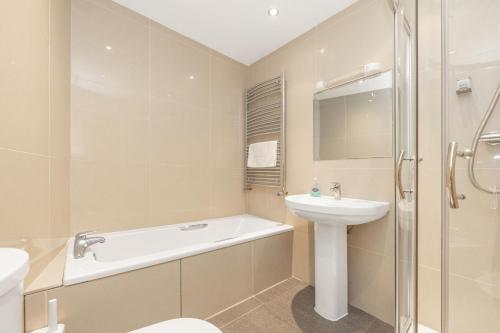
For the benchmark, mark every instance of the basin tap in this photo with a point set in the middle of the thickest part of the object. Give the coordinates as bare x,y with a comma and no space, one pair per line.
82,242
336,190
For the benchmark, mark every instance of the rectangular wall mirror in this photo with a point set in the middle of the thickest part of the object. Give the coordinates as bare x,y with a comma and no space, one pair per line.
354,120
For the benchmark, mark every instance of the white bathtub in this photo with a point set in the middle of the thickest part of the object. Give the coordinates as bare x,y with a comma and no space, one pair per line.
128,250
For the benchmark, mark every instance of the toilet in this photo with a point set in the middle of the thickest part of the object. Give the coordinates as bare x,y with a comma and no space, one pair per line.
13,269
180,325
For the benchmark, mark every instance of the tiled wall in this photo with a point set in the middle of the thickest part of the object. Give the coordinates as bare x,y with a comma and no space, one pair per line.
156,127
34,126
361,34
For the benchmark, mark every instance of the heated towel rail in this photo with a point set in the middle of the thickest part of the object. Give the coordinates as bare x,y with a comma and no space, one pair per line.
265,121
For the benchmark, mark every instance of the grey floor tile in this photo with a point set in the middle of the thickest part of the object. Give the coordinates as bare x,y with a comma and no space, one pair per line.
379,326
287,288
289,307
259,320
357,320
235,312
297,309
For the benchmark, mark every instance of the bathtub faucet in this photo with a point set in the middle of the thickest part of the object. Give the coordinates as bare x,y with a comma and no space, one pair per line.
82,242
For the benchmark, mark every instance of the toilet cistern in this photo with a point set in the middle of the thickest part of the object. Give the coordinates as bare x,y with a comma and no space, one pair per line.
331,215
13,269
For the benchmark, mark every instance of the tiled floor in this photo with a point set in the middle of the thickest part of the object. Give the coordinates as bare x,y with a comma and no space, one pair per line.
288,307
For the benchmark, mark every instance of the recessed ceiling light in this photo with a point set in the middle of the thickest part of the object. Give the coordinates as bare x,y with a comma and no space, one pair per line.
322,50
108,47
273,11
191,77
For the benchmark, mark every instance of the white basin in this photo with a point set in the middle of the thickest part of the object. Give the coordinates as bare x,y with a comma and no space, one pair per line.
331,217
328,210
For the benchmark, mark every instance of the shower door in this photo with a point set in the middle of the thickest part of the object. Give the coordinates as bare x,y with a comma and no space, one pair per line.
405,175
471,144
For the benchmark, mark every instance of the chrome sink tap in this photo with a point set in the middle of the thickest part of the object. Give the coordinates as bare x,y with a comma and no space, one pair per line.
336,190
82,242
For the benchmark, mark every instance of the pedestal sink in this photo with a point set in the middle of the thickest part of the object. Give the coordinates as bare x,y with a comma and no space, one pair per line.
331,217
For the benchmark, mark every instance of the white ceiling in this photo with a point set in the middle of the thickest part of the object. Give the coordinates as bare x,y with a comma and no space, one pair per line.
240,29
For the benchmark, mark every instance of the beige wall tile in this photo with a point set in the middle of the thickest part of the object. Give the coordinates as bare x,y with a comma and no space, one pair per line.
473,231
272,260
216,280
59,134
91,209
60,16
181,70
429,297
366,41
371,283
180,133
429,217
119,303
95,137
35,311
265,202
156,123
24,93
59,203
24,193
34,126
227,196
473,305
303,254
226,140
178,188
119,76
122,201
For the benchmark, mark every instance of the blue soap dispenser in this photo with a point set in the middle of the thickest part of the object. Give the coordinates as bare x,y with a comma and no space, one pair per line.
315,188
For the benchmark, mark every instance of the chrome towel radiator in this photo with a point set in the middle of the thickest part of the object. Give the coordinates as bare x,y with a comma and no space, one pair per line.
265,121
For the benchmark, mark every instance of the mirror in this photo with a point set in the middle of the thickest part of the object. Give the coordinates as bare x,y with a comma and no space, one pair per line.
355,119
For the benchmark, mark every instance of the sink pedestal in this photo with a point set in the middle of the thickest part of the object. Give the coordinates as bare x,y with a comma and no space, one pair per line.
330,245
331,217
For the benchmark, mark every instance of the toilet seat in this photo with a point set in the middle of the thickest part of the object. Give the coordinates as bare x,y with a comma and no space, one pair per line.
180,325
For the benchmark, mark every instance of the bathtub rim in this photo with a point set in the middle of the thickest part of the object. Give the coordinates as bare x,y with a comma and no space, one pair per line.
87,268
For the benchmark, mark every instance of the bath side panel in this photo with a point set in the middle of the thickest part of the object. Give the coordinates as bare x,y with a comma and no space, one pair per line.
118,303
272,260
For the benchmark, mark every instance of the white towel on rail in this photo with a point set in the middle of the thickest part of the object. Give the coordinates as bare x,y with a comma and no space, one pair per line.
262,154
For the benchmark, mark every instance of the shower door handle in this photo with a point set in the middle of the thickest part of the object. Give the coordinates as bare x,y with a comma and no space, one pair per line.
450,177
399,171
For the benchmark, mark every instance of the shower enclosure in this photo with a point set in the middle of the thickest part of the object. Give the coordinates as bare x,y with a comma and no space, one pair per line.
471,159
406,165
448,140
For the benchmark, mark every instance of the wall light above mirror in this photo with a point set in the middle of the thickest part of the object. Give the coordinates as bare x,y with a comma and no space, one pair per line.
355,119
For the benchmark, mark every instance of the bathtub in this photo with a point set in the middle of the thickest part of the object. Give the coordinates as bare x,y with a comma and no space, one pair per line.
134,249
